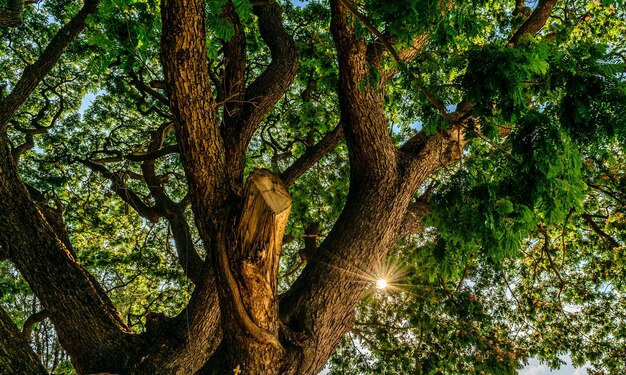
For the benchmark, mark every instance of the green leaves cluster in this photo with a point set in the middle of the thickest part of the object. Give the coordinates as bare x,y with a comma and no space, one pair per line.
500,195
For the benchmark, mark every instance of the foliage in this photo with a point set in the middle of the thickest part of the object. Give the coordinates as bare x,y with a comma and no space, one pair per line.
524,253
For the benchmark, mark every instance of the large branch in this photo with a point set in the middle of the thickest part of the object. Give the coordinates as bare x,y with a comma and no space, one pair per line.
535,21
16,356
265,91
88,325
361,100
184,58
233,87
33,74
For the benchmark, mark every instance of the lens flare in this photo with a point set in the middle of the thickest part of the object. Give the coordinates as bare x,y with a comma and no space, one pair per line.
381,283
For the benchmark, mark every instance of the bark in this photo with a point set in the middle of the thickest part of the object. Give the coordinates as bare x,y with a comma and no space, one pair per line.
320,304
183,54
242,226
33,74
89,327
247,264
263,93
184,344
16,356
535,21
313,155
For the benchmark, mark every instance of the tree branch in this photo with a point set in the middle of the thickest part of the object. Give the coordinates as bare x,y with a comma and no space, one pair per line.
33,74
361,100
72,297
35,318
185,67
535,21
313,155
596,228
265,91
118,185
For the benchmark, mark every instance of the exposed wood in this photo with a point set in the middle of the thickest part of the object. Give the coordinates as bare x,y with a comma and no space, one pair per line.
248,272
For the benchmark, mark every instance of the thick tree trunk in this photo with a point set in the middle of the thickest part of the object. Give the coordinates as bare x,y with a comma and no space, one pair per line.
247,262
88,325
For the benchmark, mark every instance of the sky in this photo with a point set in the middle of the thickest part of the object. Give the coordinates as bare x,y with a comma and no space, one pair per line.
536,368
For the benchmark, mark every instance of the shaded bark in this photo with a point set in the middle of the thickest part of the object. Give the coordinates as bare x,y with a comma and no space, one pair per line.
16,356
71,296
263,93
535,21
313,155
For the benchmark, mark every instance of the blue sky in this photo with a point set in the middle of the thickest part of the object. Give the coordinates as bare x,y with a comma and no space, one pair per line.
536,368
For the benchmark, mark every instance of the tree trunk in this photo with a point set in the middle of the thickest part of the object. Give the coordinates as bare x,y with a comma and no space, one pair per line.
88,325
247,262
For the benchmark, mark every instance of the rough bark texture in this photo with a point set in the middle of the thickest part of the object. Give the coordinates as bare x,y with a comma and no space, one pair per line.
248,263
16,356
535,21
72,297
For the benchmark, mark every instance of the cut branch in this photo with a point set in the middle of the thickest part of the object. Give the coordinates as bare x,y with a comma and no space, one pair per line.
247,277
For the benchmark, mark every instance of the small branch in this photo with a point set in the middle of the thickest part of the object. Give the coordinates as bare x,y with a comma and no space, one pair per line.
313,155
31,321
596,228
353,9
546,250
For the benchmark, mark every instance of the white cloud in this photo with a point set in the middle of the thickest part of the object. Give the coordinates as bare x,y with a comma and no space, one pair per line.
535,370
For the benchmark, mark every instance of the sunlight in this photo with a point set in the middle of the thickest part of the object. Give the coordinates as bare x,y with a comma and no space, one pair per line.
381,283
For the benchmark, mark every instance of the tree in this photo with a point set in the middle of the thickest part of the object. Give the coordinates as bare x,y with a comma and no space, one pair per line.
249,169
